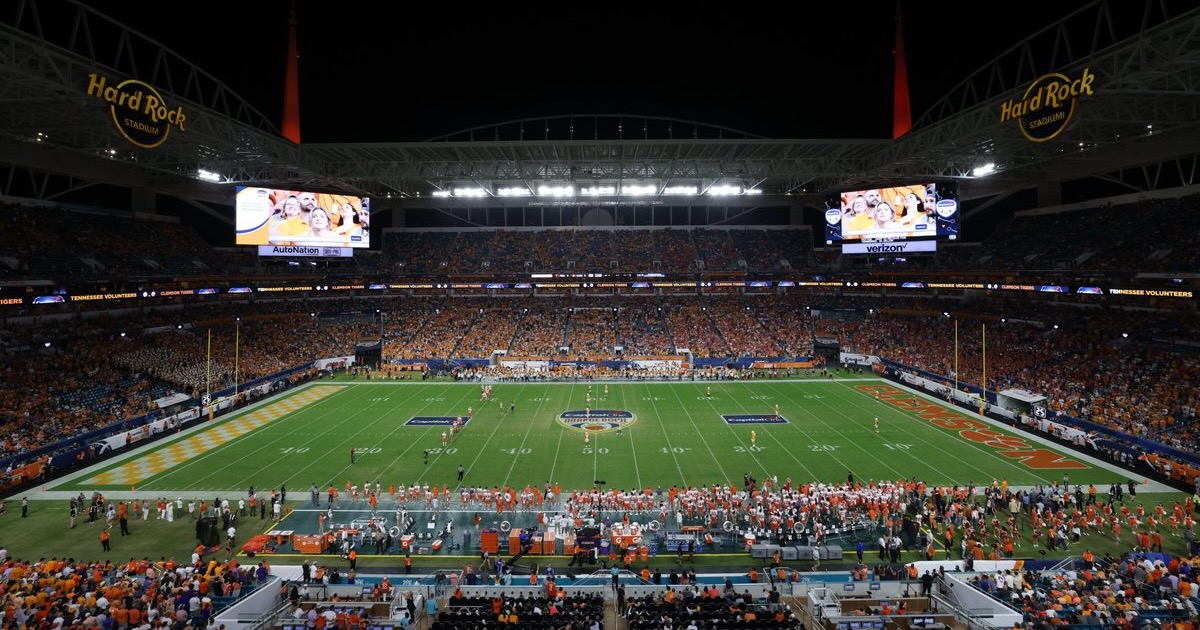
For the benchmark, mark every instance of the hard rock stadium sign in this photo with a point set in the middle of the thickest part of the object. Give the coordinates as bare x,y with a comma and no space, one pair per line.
1048,105
139,112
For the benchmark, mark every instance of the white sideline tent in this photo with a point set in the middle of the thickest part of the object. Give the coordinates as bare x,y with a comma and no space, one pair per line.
1022,402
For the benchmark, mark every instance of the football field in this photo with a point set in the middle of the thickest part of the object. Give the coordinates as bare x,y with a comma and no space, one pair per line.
626,434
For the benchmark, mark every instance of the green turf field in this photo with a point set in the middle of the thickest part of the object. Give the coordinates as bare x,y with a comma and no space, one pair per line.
670,434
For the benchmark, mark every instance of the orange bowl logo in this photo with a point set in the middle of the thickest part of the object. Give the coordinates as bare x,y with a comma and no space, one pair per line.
596,419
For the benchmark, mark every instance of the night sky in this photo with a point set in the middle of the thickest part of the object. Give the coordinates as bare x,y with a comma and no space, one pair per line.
406,73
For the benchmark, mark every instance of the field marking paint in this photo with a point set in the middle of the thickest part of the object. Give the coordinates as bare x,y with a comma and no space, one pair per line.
786,449
419,400
1010,446
164,459
918,457
900,400
700,432
633,447
903,403
667,436
843,436
529,429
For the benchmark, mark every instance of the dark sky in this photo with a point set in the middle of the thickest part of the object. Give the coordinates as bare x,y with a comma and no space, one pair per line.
408,73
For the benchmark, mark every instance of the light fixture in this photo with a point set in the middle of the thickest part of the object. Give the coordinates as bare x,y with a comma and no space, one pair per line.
566,190
638,190
598,191
984,170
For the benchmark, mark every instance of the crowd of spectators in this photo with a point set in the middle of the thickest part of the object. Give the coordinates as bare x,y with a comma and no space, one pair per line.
51,242
591,332
1103,369
1152,235
693,606
140,594
1135,591
553,610
542,332
1111,365
1117,240
94,377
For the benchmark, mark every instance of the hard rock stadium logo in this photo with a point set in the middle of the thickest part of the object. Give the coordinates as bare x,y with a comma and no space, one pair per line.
1048,105
138,111
596,419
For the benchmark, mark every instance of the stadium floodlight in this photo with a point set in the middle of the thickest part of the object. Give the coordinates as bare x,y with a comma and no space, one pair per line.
208,176
718,191
556,191
681,190
514,191
598,191
470,192
441,193
985,170
643,190
752,191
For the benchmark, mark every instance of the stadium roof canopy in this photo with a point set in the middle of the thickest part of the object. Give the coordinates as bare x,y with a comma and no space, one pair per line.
1140,128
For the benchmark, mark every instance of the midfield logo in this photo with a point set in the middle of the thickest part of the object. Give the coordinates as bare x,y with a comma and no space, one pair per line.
596,419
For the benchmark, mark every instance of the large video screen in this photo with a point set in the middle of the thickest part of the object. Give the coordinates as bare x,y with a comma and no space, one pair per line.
274,216
914,211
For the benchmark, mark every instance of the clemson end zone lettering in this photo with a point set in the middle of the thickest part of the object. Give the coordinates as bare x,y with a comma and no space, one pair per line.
1011,446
